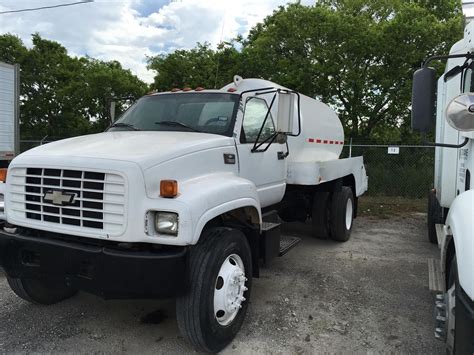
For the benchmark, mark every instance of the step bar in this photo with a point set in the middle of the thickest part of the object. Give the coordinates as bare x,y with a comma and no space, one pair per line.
436,282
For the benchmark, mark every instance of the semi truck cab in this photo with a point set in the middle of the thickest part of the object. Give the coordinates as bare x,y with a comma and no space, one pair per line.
447,102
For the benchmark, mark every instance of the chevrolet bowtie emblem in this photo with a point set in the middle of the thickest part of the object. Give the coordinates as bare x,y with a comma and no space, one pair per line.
59,198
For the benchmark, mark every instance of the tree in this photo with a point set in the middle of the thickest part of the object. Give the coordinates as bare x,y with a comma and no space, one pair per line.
200,66
356,55
62,96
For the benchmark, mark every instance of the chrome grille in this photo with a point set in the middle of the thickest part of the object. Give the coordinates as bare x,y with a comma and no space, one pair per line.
82,199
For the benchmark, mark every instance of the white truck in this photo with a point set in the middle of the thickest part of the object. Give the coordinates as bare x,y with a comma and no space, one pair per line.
9,117
178,198
451,202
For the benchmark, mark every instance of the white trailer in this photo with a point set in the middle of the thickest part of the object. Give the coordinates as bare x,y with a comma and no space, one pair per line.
9,119
9,112
182,196
451,202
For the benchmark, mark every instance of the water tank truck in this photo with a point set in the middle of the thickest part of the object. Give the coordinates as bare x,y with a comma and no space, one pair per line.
183,196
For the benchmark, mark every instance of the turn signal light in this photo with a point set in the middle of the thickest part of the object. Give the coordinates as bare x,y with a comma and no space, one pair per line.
168,188
3,175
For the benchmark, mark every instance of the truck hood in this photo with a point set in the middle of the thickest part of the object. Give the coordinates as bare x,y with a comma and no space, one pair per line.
147,149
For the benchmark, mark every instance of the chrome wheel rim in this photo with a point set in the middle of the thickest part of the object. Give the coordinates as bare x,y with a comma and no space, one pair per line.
229,290
349,214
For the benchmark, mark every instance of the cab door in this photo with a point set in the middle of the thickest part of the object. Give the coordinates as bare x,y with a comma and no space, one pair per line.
266,169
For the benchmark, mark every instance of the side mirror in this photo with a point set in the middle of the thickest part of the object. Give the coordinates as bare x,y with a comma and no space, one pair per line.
460,113
286,112
423,100
112,111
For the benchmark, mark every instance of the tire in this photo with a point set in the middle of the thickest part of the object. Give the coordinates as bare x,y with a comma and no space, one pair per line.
460,325
44,292
320,215
342,214
205,328
434,217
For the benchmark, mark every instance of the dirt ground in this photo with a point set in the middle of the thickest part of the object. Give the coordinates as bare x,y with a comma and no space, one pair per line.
367,295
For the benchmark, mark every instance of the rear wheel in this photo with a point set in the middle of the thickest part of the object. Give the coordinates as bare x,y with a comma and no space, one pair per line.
43,292
219,282
342,214
434,216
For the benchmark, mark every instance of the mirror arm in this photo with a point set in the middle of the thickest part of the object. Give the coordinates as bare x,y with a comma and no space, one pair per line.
299,115
467,55
271,139
255,147
444,145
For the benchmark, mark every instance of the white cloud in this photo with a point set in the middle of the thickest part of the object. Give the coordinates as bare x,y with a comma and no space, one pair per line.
117,30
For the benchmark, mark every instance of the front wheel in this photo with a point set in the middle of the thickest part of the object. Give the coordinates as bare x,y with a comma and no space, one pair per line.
44,292
454,322
219,280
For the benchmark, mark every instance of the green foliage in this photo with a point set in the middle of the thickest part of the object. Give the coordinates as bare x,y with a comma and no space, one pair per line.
62,96
200,66
356,55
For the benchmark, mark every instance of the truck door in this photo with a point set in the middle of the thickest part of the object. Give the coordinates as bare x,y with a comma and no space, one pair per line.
266,169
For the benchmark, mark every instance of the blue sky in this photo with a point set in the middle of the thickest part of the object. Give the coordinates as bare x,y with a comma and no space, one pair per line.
131,30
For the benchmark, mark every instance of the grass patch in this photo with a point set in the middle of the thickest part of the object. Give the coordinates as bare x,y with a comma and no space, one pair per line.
386,206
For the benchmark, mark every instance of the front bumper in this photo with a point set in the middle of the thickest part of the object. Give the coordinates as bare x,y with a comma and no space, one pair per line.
101,268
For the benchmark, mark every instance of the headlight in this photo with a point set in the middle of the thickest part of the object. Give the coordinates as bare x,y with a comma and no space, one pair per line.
166,223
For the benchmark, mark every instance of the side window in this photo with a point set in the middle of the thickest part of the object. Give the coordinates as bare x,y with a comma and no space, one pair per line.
468,79
255,112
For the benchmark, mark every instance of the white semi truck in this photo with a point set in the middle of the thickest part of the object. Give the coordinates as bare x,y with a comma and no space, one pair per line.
179,198
9,117
451,202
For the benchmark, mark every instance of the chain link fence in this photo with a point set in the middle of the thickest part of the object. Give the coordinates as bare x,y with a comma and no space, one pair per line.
394,170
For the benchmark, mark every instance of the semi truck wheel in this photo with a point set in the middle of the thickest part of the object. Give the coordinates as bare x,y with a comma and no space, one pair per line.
453,320
43,292
342,214
320,215
219,281
434,216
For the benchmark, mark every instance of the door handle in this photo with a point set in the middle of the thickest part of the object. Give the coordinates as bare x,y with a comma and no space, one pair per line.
282,155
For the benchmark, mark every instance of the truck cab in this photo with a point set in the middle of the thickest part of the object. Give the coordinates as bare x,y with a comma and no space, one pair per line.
447,103
182,196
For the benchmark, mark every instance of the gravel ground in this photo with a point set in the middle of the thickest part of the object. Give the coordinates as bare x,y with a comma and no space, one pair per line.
367,295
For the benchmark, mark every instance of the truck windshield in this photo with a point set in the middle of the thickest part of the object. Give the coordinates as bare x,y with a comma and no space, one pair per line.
187,112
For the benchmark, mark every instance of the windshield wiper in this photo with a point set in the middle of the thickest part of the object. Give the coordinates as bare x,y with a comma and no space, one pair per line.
128,125
178,124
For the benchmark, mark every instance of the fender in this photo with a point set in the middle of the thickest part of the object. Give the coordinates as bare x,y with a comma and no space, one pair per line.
460,224
209,196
